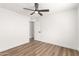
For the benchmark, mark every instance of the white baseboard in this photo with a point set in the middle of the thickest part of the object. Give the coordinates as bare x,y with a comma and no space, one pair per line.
57,43
78,49
12,46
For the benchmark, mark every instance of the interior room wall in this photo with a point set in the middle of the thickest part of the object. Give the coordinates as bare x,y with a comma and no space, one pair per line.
14,29
58,28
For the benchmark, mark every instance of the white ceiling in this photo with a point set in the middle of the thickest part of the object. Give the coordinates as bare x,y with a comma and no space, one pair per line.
18,7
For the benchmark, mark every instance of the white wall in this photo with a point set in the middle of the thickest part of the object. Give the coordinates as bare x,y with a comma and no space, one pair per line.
14,29
59,28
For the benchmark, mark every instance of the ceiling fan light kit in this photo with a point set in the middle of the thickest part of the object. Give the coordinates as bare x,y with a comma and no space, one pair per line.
36,10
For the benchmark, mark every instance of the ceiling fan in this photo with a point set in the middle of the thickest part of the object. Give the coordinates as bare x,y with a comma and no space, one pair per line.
36,10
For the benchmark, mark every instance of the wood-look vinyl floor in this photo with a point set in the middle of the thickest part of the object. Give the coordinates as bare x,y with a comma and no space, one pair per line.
38,48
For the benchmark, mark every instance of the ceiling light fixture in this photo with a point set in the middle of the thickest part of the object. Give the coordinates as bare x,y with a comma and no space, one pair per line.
36,12
36,9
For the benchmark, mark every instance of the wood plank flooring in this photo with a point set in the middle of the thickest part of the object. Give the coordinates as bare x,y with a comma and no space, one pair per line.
38,48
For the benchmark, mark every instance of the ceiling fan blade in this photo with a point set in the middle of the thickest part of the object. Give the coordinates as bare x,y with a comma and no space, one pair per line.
36,6
44,10
28,9
32,13
40,14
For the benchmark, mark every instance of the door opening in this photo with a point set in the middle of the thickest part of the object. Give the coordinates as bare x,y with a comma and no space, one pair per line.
31,31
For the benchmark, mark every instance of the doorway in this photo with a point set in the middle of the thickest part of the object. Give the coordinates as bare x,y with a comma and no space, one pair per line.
31,31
